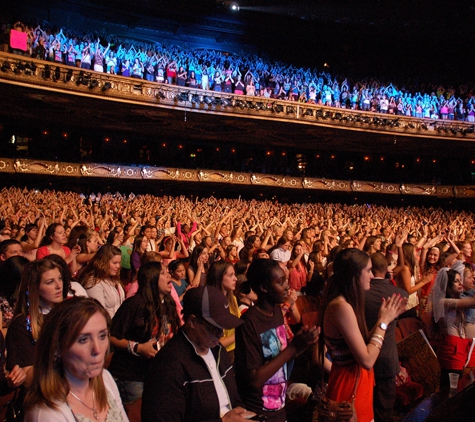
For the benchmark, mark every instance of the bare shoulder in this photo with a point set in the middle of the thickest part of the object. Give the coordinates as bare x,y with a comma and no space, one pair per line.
338,311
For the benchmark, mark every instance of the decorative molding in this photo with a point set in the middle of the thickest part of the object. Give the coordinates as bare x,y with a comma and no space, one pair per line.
56,77
97,170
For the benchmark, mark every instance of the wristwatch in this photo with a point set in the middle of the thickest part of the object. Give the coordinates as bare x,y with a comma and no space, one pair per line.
383,326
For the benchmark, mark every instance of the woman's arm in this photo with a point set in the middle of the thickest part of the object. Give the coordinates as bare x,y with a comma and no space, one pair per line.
193,278
403,279
343,316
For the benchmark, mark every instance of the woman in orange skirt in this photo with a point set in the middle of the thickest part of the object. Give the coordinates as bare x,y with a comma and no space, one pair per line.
352,348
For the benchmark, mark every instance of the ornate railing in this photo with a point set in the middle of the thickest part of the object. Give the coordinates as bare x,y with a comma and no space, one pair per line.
96,170
57,77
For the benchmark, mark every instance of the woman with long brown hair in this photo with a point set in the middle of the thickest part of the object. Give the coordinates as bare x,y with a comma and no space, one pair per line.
101,278
352,347
141,326
221,274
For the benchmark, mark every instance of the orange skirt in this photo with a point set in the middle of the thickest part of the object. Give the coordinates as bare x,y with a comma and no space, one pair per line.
341,385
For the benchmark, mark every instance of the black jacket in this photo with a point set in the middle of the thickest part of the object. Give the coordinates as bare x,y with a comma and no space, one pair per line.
387,364
179,388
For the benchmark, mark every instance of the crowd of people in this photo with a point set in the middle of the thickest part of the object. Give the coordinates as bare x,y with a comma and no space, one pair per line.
210,284
191,303
242,74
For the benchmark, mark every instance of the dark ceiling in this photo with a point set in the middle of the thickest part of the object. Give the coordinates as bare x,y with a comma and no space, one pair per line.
403,40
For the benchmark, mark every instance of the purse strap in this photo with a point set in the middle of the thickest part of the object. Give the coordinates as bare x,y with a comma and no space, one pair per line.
353,396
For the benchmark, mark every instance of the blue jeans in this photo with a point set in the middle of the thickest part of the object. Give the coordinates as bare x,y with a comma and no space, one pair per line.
130,390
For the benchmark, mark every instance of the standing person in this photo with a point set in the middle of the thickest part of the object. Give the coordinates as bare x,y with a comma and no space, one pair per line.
449,310
221,275
262,350
141,326
282,252
178,274
198,269
101,278
387,364
407,277
54,242
353,350
40,290
191,379
138,249
31,239
70,383
298,275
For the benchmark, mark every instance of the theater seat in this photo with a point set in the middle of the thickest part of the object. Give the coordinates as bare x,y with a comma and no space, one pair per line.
310,318
133,410
409,326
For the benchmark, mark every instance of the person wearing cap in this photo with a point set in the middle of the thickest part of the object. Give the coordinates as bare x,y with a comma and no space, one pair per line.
192,379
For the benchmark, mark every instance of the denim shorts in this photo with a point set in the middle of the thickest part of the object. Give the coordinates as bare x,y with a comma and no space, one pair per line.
130,390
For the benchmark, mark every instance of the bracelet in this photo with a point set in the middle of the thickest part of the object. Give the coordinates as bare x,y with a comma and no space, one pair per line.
132,347
375,345
378,336
377,341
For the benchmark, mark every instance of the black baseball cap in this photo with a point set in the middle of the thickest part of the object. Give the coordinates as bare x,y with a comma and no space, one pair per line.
210,304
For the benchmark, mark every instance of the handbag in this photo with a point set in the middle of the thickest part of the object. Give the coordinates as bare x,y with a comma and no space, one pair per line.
331,410
328,410
14,411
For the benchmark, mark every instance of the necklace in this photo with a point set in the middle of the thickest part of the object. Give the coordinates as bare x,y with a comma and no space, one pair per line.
93,408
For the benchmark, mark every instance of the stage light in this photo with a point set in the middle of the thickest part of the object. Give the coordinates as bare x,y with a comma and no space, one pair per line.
234,7
183,96
94,84
308,112
290,110
278,108
106,86
208,100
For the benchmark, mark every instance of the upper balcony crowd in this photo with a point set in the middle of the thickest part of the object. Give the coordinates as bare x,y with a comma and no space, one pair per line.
243,74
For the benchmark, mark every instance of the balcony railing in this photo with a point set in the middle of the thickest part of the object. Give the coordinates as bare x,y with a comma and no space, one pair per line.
124,172
22,71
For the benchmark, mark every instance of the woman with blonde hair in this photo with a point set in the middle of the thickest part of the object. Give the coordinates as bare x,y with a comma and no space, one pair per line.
101,278
89,244
70,383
